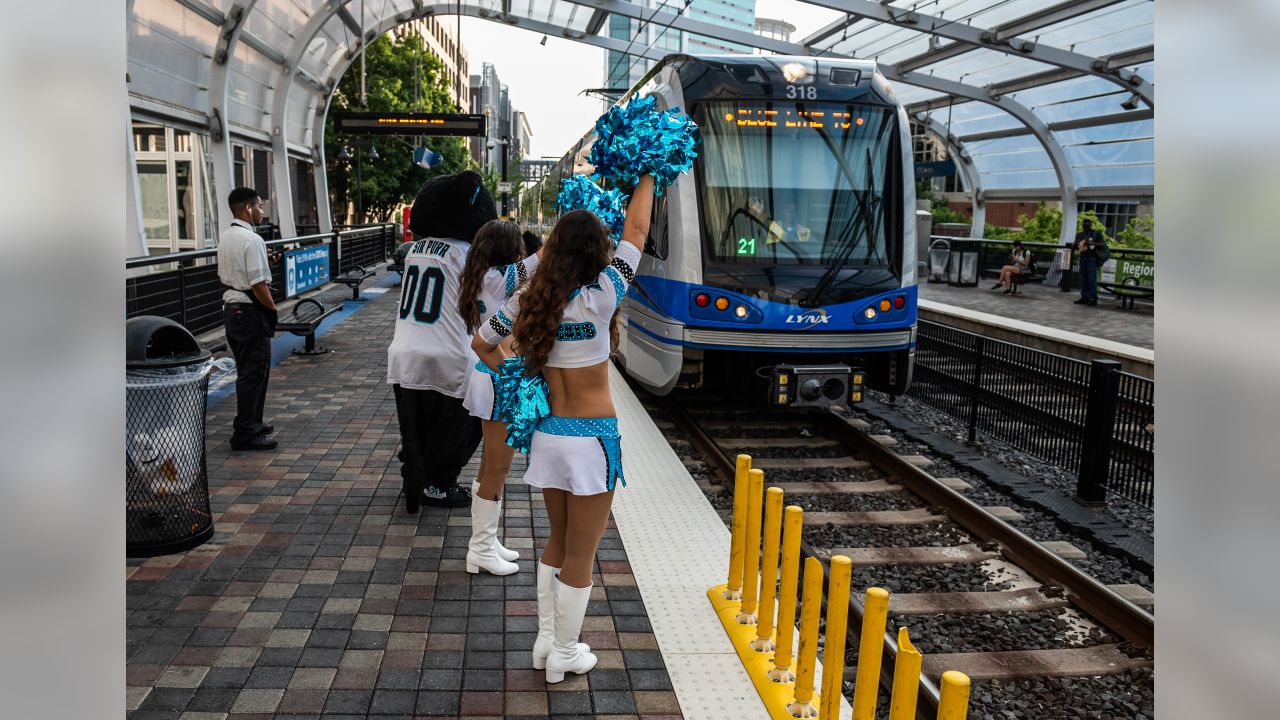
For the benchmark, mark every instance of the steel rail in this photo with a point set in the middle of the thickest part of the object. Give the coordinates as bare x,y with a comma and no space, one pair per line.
1093,597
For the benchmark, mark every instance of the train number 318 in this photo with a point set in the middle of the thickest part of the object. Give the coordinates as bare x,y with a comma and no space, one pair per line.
802,92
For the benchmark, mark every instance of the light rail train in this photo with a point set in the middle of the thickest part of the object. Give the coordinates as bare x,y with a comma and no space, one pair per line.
788,252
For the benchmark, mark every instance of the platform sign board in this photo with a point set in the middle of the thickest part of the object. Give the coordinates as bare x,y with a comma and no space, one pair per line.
1119,269
504,186
305,268
942,168
406,123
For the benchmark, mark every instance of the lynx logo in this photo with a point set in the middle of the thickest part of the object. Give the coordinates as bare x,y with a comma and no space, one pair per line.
818,317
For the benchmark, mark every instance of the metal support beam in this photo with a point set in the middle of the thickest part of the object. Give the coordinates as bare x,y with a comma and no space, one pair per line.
349,20
969,176
596,22
1077,124
1066,182
229,34
1028,23
980,38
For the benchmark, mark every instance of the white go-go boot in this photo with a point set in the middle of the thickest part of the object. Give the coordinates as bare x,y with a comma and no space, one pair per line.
482,553
504,552
567,654
547,617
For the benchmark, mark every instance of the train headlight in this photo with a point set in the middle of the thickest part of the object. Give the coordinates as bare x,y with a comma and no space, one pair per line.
870,313
702,299
740,311
722,303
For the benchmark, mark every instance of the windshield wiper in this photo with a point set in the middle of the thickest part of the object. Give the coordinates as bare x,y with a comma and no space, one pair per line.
848,241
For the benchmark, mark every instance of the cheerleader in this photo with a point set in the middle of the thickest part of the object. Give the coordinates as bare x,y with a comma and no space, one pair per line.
495,268
563,324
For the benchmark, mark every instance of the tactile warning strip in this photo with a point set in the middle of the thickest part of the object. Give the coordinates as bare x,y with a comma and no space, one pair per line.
678,547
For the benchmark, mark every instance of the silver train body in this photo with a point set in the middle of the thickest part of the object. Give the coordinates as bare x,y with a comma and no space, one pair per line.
791,243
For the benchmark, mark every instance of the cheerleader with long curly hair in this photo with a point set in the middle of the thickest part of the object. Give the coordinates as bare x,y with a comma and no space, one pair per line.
563,325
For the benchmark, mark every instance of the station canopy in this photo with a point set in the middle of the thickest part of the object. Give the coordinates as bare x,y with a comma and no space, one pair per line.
1035,99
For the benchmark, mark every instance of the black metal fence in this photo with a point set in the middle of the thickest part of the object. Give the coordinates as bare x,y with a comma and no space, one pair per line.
184,286
1085,416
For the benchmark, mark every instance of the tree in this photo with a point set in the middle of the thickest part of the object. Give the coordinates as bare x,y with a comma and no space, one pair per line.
401,76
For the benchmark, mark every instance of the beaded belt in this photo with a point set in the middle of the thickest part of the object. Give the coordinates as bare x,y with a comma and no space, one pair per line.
604,430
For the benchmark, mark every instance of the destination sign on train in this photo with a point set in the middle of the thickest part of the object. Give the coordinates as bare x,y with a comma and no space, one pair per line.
794,119
406,123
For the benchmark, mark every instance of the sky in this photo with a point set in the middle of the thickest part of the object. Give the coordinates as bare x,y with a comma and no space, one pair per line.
546,81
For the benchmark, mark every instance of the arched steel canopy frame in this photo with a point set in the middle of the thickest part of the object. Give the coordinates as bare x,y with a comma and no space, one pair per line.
1004,39
969,175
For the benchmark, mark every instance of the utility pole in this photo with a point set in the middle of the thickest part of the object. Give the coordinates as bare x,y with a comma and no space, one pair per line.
504,175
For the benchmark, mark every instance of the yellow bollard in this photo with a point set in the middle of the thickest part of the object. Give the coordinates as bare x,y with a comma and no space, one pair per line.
769,571
751,556
733,591
875,611
837,628
954,704
792,522
810,609
906,679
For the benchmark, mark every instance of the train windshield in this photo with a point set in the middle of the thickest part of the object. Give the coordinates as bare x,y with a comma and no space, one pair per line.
797,183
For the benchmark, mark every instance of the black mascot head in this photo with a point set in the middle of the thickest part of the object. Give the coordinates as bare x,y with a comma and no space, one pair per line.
452,206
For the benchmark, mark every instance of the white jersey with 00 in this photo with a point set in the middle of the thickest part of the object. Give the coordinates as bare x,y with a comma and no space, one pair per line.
431,349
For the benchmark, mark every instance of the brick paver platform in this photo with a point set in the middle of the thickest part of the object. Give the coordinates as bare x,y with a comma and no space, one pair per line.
319,596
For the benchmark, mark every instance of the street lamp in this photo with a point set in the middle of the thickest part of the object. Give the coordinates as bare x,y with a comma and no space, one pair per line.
491,145
345,155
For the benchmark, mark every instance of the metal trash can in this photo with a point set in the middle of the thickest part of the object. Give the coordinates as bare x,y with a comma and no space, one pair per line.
939,254
166,481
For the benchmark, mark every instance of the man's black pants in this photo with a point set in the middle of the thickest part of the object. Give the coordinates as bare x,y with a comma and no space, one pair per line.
249,336
438,437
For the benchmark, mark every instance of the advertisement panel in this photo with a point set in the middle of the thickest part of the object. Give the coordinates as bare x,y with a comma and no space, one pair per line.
305,268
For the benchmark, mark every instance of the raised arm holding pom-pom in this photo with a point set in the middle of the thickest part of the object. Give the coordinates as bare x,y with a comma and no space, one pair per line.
636,226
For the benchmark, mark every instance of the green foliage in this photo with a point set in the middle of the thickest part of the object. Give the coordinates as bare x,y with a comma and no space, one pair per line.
1139,234
995,232
401,76
944,214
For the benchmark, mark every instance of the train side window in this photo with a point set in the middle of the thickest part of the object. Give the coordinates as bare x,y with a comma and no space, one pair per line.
656,243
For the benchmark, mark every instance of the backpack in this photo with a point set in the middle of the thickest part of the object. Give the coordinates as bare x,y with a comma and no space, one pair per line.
1103,253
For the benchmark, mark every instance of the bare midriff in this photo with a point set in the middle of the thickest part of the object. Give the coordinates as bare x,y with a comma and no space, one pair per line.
580,392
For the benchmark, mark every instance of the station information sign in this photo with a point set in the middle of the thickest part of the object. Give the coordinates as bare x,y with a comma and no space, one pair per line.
305,268
408,123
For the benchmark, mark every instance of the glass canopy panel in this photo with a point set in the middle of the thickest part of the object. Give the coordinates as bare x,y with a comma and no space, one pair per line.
985,67
1015,163
975,117
1123,26
169,48
248,83
275,22
1110,155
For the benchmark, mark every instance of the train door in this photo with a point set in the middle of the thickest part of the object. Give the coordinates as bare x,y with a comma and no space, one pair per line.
651,342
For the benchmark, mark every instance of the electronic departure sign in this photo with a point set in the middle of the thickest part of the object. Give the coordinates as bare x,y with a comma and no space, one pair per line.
405,123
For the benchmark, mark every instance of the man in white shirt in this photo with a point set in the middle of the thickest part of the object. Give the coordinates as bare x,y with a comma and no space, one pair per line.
249,315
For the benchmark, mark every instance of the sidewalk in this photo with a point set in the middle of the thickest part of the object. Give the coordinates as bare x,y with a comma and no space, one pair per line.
319,594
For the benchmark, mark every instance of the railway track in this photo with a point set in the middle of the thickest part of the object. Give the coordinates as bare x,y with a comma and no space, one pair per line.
971,585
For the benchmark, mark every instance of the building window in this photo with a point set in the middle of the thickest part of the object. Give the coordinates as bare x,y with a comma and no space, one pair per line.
1113,215
174,188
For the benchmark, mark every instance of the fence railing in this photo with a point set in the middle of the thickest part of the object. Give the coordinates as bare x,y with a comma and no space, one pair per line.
184,286
1089,417
995,253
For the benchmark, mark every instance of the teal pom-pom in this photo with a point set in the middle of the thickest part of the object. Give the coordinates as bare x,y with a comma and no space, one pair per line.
637,140
579,193
521,401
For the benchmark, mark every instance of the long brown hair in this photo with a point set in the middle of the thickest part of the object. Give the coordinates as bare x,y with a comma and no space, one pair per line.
496,243
575,253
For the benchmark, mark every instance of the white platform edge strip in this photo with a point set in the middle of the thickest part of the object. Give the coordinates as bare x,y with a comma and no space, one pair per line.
678,548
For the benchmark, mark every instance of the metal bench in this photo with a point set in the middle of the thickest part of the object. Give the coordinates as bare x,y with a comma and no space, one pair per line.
353,278
1016,279
1127,291
304,319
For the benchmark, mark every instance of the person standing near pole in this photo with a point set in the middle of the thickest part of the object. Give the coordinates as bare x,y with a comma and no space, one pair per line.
1089,243
249,316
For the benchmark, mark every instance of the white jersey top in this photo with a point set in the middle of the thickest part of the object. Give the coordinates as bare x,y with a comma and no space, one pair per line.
431,349
500,283
583,337
242,261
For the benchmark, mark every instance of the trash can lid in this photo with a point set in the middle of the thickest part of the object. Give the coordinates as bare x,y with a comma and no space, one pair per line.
155,342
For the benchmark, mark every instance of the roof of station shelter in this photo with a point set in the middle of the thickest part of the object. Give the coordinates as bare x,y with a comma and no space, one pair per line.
1036,98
